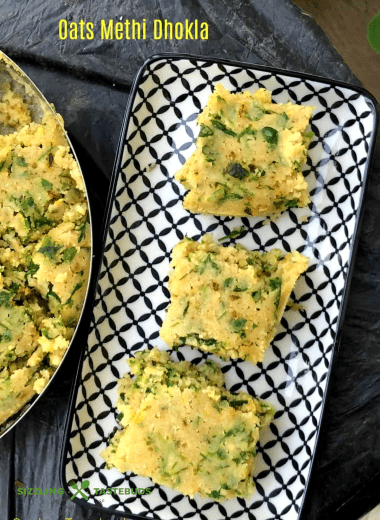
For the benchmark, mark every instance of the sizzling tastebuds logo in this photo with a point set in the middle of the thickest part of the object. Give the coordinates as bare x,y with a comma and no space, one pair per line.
81,486
79,490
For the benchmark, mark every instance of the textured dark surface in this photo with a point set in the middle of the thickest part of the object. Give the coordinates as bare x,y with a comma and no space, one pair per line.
88,83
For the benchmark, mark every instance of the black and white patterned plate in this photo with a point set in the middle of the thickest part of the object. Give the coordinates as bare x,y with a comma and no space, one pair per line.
146,219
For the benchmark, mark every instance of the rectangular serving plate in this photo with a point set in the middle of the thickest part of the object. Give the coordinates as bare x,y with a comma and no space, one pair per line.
146,219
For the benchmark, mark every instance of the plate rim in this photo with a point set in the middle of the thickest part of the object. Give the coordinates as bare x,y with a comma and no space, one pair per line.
106,222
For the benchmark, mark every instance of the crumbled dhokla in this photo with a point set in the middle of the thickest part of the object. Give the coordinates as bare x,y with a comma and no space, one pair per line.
249,154
228,300
184,430
44,250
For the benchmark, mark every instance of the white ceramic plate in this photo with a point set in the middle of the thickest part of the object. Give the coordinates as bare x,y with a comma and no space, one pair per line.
146,220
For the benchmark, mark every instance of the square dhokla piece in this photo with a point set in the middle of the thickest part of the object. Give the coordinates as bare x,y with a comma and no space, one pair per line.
248,157
228,300
184,430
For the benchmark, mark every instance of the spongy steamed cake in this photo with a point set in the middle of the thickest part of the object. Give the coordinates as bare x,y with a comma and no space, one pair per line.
248,157
228,300
184,430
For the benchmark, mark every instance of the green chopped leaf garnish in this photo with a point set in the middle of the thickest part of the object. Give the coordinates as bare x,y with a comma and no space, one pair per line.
258,173
256,295
224,193
283,120
120,416
46,184
242,287
69,302
235,233
5,298
222,454
200,268
220,126
36,223
238,324
309,135
2,165
186,308
237,403
6,338
20,161
270,135
69,253
48,248
247,131
82,229
53,295
209,153
227,282
275,284
31,268
206,131
293,203
45,153
236,170
214,494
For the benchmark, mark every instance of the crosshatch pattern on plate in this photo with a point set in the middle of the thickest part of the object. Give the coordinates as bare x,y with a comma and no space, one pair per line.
148,219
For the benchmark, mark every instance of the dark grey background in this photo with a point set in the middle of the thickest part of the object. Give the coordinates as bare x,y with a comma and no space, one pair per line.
88,81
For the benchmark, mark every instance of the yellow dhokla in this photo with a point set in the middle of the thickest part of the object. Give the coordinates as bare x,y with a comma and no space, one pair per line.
183,429
228,300
248,157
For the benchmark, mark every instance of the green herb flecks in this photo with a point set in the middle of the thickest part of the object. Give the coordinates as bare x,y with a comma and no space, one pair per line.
210,154
5,298
52,294
223,194
236,170
20,161
69,301
48,248
206,131
186,309
228,282
275,285
31,268
258,173
238,324
282,120
69,254
208,262
270,135
46,184
235,233
293,203
45,153
220,126
247,131
82,229
256,295
309,135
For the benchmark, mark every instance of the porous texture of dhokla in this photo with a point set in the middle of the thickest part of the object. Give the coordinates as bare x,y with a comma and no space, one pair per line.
184,430
248,157
228,300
